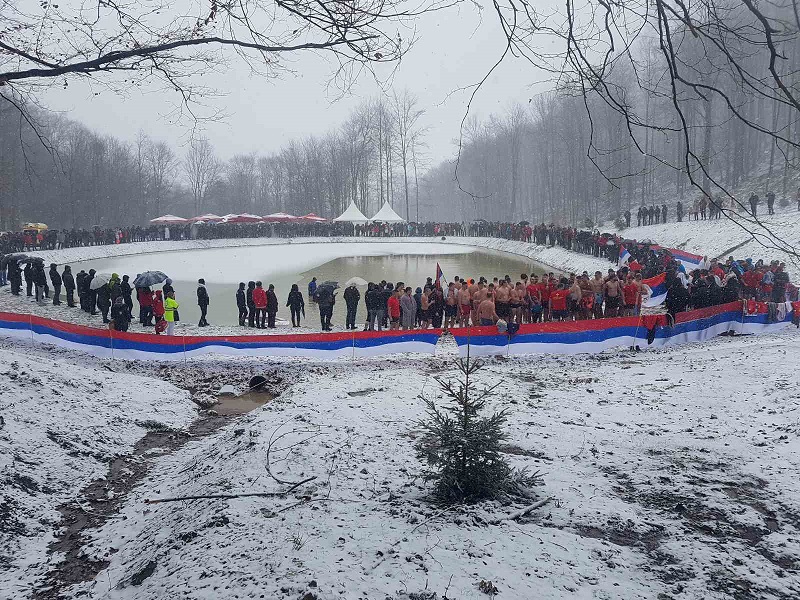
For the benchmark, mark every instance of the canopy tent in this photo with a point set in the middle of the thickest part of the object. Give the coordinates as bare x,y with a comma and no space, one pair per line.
206,218
279,217
351,215
312,218
387,215
168,219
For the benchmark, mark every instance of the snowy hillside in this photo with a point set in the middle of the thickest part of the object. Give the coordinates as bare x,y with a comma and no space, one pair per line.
722,237
664,482
61,421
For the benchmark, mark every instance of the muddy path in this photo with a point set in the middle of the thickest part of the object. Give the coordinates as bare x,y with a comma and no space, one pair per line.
102,499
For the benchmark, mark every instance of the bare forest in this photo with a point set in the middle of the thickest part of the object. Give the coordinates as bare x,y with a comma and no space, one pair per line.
648,102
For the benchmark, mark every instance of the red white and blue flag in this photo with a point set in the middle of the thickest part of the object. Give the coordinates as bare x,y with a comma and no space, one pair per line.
658,286
624,255
441,282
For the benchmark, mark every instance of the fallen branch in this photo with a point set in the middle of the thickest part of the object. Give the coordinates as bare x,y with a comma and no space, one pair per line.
232,496
521,512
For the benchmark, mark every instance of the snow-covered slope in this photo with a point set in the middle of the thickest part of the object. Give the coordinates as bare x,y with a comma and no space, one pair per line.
722,237
63,420
673,474
557,258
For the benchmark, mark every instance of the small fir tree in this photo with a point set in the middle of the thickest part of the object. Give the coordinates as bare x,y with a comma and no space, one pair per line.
462,449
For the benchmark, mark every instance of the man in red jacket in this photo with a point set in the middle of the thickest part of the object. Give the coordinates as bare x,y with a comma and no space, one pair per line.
260,300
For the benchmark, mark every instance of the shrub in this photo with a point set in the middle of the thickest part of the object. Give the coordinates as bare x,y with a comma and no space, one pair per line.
462,449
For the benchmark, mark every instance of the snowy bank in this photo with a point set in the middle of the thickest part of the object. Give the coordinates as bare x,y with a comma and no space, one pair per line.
63,420
666,481
554,257
722,237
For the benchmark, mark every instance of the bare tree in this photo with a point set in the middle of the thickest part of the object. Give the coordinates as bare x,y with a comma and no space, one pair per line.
162,164
202,170
169,43
406,114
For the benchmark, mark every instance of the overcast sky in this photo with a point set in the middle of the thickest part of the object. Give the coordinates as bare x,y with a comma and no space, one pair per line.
456,48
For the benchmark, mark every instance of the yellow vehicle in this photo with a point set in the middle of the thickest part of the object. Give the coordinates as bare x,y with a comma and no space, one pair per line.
39,227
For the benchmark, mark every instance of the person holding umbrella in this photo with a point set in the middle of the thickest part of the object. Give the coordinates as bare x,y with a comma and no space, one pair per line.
296,305
202,301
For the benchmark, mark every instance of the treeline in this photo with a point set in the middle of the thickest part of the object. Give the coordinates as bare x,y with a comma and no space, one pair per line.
594,148
60,172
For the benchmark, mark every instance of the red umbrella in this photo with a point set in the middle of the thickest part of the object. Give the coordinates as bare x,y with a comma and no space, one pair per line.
279,217
245,218
311,217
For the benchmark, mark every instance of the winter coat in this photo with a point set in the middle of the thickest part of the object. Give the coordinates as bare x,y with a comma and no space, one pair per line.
352,296
374,300
103,296
325,297
202,295
126,290
260,297
170,305
55,278
250,302
241,299
68,279
295,299
272,301
409,310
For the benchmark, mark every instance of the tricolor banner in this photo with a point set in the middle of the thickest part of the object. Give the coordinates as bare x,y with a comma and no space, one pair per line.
441,282
689,261
624,256
647,331
659,288
107,343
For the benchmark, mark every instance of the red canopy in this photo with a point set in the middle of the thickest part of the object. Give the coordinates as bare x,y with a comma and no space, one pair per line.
279,217
245,218
311,217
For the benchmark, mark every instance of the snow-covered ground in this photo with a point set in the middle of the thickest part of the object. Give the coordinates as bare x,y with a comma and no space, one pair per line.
722,237
672,474
557,258
62,419
669,474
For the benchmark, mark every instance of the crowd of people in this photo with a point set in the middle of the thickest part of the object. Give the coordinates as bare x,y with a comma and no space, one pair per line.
464,301
476,301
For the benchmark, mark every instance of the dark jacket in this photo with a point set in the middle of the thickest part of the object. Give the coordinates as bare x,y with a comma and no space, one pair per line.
295,299
68,279
250,302
55,278
374,300
202,295
272,301
241,299
352,296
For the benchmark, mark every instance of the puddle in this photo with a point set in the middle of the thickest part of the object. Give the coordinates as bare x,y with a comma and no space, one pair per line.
229,406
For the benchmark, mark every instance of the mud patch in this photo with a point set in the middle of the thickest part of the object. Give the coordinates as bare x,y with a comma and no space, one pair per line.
230,406
101,499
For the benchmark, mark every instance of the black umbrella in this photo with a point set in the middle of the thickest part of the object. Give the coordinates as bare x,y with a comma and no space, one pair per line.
524,223
31,259
149,278
17,257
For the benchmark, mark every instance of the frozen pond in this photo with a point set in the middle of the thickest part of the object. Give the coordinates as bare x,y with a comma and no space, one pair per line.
283,265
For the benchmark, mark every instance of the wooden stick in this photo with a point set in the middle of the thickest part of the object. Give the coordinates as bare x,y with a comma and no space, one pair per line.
231,496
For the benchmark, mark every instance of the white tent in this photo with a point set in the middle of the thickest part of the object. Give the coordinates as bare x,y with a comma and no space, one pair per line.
387,215
351,215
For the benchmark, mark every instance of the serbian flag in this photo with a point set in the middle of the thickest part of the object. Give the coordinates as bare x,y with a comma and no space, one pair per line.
689,261
441,282
659,287
624,255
